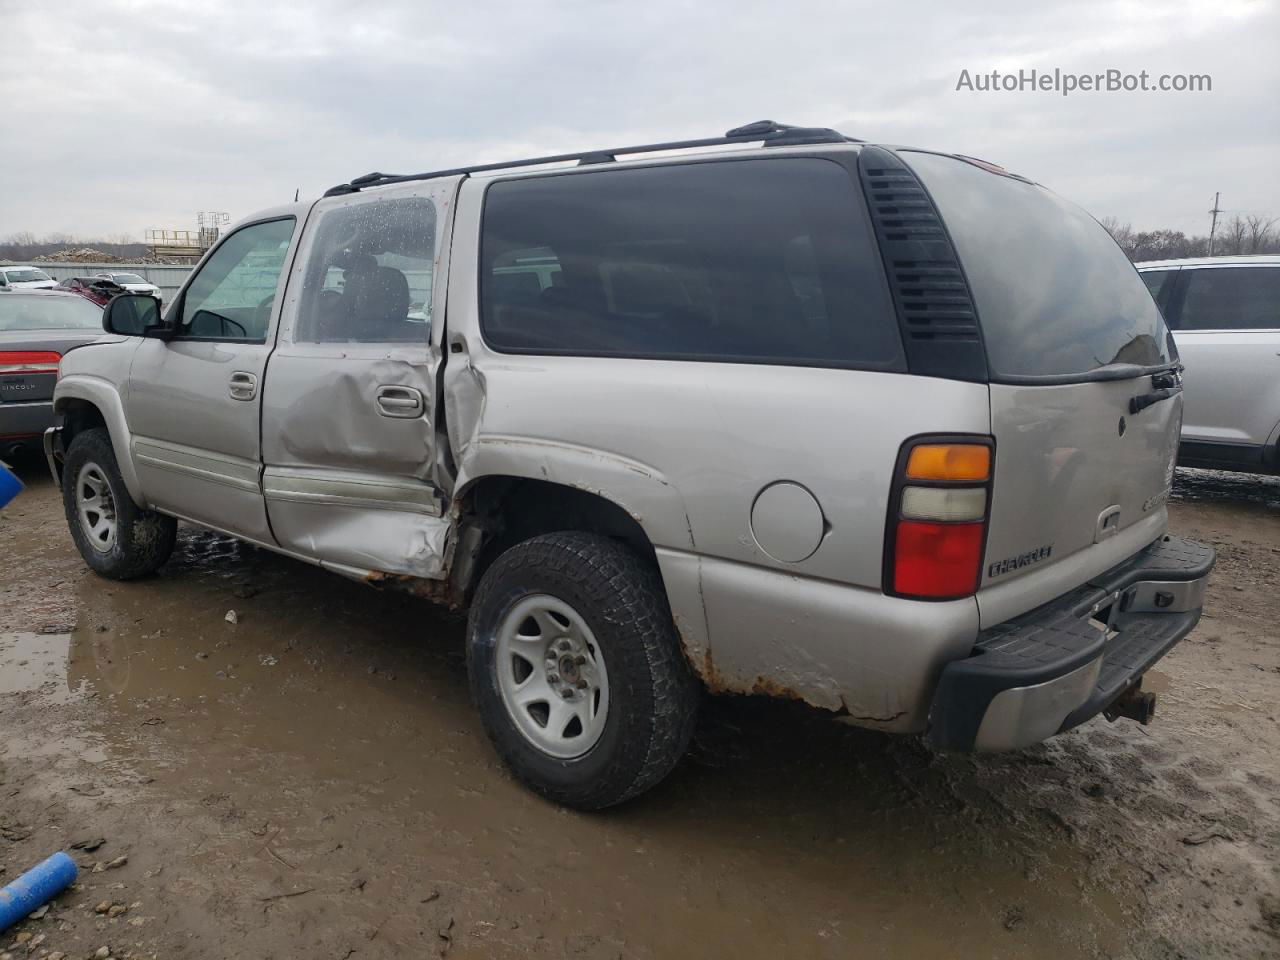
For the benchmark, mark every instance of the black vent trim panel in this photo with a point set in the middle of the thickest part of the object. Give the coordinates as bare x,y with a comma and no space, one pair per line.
935,308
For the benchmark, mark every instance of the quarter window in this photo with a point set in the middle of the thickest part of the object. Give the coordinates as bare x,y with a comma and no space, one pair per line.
369,274
1231,298
231,297
751,261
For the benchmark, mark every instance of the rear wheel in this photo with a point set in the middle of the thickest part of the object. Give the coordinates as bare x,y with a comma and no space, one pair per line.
577,670
116,538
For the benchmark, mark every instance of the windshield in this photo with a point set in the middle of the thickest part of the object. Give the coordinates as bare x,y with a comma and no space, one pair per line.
127,278
25,275
1056,296
31,312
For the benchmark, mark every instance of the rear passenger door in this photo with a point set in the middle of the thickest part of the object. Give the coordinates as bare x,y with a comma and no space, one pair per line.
1226,321
349,408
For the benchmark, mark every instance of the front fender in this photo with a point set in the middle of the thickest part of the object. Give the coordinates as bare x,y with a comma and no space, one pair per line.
106,398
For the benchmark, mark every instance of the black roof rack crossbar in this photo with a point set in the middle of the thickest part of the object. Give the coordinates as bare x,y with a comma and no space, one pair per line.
772,134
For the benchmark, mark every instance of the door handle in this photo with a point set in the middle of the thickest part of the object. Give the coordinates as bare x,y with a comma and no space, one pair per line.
401,402
242,386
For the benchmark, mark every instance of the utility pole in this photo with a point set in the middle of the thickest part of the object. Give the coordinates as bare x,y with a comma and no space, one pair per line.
1213,224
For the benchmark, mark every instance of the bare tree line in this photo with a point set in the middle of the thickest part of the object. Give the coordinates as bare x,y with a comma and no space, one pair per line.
1237,236
25,245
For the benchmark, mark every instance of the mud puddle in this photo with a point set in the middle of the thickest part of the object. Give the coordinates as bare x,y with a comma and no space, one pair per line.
1260,493
311,781
36,663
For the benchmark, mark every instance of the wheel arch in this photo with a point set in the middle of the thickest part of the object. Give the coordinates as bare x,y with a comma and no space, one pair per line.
497,511
84,403
1271,452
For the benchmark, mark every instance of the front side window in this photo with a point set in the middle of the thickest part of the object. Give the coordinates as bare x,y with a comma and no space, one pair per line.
231,297
1231,298
368,277
1056,296
751,261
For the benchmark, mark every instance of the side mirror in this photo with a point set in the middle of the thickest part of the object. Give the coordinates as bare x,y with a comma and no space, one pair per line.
132,315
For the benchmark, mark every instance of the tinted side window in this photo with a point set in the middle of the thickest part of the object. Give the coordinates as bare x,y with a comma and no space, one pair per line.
1231,298
1158,282
231,297
369,274
752,261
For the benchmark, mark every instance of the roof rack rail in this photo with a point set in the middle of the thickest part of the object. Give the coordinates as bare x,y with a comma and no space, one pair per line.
771,133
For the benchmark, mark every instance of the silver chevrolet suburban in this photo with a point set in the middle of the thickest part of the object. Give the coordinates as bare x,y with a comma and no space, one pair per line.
780,412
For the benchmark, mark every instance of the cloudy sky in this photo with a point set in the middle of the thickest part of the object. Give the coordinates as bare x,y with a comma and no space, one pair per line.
119,115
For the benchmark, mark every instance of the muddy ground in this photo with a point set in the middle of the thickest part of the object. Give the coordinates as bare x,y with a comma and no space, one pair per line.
311,782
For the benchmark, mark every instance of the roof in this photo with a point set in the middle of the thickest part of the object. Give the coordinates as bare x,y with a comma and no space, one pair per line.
1269,259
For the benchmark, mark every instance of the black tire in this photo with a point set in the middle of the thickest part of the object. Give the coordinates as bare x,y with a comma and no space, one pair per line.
653,694
143,540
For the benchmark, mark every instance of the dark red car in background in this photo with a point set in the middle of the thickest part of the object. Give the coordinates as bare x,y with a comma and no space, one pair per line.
97,289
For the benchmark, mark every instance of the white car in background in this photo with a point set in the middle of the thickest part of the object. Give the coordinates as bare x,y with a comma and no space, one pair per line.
1225,316
25,278
131,282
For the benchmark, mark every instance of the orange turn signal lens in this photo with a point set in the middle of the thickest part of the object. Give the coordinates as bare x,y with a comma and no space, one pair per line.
949,461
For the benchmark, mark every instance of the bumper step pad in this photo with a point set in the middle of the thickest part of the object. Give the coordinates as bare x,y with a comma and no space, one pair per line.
1060,637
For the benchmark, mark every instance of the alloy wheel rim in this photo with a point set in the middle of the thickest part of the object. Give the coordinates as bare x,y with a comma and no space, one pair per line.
552,676
96,507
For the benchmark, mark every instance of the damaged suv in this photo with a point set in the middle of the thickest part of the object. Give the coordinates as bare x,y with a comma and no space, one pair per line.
884,430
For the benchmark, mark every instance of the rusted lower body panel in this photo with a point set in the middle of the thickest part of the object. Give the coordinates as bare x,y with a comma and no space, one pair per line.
853,651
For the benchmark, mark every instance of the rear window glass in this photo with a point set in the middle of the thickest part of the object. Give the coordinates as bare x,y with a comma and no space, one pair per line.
68,312
1231,298
747,261
1055,295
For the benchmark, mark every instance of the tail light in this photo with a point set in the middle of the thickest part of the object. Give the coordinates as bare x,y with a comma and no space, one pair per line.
938,510
28,361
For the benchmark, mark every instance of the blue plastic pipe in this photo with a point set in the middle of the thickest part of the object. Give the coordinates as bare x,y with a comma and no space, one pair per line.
10,487
37,886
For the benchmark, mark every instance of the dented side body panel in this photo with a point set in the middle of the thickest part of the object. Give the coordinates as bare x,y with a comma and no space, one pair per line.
686,448
347,478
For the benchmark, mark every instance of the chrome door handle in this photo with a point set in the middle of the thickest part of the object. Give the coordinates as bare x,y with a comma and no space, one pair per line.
401,402
242,386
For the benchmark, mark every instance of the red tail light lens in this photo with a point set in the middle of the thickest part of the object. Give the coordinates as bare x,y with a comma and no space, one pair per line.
938,514
28,361
937,560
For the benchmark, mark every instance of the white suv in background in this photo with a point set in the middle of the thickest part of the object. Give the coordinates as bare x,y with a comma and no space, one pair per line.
1225,316
25,278
131,282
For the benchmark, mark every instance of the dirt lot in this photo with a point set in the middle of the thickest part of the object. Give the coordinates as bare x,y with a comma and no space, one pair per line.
311,782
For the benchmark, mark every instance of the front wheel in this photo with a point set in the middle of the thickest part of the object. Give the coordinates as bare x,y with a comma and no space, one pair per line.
116,537
577,671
